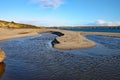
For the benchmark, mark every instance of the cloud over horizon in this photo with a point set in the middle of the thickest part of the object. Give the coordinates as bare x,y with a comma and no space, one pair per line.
104,23
48,22
49,3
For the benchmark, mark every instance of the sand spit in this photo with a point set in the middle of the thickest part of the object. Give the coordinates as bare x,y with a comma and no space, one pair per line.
76,40
71,40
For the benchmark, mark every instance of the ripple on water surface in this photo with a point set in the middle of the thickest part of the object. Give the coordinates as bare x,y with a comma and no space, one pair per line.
33,58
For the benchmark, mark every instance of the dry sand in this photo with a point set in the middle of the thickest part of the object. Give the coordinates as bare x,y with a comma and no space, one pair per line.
6,34
77,40
72,40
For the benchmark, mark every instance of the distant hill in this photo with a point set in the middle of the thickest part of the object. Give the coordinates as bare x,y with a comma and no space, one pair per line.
87,27
12,24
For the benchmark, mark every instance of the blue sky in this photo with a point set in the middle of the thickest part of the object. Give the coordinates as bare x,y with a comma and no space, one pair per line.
61,12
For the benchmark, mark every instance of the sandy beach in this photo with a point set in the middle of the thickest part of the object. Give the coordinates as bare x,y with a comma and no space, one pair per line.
36,55
70,39
77,40
6,34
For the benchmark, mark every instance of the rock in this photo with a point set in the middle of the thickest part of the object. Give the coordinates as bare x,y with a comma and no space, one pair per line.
2,56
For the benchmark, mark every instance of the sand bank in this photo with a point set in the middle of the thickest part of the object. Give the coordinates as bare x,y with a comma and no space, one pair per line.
77,40
71,40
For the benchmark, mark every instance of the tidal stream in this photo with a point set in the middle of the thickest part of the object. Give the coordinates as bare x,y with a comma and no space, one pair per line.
33,58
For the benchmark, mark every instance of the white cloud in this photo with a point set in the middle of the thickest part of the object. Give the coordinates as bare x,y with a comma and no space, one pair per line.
100,22
104,23
49,3
113,23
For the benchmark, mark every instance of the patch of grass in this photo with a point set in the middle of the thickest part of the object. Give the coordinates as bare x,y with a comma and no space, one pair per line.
12,24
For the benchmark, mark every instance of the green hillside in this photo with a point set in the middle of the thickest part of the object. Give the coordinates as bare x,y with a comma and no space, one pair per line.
6,24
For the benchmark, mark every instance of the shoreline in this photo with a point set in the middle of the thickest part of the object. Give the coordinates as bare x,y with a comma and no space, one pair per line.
66,40
69,40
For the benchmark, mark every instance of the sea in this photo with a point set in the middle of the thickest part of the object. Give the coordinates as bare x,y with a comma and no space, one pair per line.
34,58
110,30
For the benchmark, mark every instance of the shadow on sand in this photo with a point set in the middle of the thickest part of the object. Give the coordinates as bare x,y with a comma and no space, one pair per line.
2,69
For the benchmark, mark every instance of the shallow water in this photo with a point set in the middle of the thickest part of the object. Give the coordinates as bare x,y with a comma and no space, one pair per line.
33,58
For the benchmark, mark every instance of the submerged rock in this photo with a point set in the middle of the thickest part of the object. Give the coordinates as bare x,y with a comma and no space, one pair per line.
2,56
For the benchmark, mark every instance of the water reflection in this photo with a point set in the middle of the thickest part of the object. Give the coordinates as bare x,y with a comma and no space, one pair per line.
33,59
2,69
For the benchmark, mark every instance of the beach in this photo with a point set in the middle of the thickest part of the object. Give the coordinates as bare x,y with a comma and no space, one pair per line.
36,55
60,40
6,33
70,39
53,54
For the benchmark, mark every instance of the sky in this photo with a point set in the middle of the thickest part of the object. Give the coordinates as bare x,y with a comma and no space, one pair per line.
61,12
